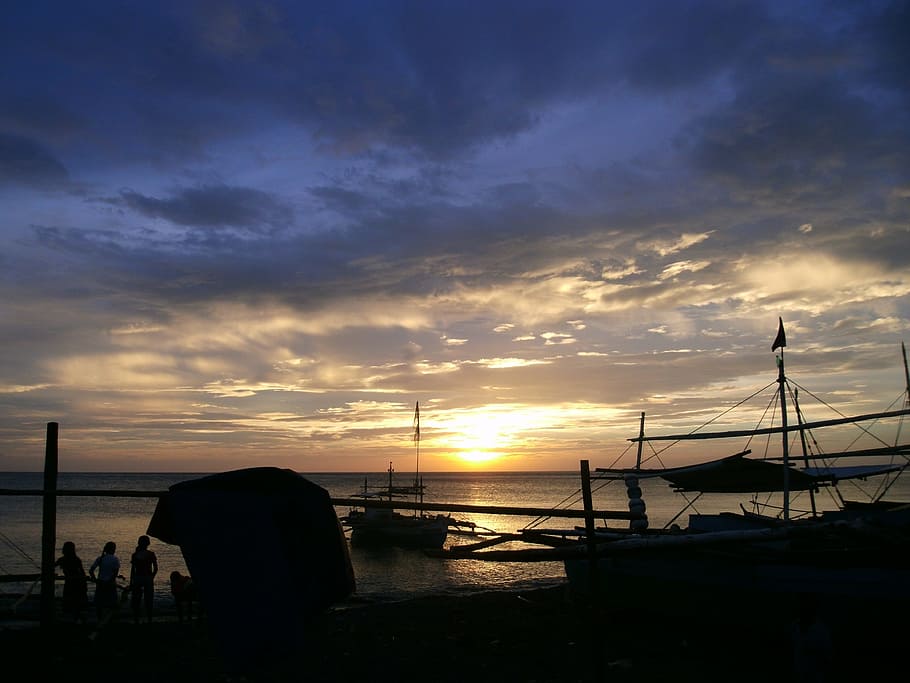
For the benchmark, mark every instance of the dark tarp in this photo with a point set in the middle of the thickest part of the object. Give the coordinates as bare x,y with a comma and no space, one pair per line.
267,552
739,474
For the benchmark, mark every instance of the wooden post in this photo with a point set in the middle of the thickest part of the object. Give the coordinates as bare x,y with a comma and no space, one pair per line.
785,446
49,528
589,525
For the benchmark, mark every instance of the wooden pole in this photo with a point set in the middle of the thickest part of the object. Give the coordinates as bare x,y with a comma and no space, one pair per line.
641,440
589,525
49,527
785,446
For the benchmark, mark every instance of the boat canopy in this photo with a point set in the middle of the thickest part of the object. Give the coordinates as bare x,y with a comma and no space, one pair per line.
739,474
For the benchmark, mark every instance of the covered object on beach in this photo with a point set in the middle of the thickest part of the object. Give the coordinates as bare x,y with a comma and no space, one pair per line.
267,552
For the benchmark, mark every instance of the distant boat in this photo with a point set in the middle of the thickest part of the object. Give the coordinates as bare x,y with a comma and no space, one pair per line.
379,526
373,526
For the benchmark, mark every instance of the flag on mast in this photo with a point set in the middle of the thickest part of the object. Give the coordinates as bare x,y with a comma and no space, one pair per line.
781,339
417,421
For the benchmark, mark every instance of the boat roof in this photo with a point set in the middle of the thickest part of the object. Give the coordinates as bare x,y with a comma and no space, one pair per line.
739,474
387,491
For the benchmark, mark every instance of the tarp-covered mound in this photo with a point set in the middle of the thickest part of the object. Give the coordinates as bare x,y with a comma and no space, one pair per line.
266,550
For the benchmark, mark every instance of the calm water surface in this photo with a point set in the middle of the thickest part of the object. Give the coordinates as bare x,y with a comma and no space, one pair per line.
380,575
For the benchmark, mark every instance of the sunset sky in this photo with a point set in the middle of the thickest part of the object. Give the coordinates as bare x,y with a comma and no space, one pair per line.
258,233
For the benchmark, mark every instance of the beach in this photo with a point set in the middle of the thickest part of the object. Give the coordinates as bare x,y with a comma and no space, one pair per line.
534,635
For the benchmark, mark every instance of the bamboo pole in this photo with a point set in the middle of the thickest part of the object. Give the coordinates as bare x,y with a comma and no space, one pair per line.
566,513
589,526
774,430
49,527
785,445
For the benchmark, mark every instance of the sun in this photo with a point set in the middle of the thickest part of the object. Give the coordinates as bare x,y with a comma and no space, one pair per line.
479,436
478,457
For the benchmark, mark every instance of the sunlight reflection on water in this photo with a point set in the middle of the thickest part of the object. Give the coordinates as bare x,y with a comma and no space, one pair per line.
391,574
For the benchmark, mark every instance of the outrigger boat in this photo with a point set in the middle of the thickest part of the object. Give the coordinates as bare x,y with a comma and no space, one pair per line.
373,526
851,552
840,551
380,525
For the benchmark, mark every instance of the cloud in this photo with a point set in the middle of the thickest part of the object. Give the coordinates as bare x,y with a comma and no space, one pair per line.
24,161
231,226
213,206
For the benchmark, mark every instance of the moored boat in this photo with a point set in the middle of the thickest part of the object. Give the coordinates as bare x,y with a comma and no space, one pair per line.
849,554
377,524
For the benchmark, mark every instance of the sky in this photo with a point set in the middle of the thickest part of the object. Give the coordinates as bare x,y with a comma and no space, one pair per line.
236,234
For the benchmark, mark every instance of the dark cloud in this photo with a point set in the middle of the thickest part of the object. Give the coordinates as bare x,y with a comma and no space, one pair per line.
214,206
438,79
782,138
882,38
40,115
26,162
685,43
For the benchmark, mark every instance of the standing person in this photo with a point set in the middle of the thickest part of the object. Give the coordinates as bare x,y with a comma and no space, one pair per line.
107,565
143,568
75,582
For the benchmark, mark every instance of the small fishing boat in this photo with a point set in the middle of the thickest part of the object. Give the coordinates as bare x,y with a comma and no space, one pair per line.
376,524
382,526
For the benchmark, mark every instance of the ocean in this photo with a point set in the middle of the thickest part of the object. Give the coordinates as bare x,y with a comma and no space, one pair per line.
380,575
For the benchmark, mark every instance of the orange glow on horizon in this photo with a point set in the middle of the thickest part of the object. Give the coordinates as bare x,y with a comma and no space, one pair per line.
478,456
479,436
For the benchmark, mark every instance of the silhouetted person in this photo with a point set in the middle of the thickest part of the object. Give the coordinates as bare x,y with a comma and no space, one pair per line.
75,582
108,567
143,568
184,591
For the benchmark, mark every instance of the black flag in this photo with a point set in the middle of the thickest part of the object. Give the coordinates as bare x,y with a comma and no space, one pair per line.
781,339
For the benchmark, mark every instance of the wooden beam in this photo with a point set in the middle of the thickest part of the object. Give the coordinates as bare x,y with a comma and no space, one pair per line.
49,528
591,542
771,430
565,513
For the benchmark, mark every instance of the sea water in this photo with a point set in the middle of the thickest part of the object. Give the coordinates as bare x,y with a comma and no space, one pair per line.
387,574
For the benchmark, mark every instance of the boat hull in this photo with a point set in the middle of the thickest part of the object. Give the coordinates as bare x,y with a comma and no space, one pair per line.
847,572
398,531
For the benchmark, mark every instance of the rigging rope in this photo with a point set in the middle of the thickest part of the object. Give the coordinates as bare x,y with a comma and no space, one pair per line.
15,546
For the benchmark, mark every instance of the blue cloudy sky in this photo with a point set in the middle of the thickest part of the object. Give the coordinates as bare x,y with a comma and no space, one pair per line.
257,233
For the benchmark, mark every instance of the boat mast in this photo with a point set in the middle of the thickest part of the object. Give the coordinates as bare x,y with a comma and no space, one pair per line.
906,375
417,485
641,440
416,438
780,342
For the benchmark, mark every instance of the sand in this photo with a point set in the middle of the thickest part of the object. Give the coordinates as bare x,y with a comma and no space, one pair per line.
538,635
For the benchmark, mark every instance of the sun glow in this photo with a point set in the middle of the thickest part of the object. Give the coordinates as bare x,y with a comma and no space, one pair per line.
498,433
481,436
477,457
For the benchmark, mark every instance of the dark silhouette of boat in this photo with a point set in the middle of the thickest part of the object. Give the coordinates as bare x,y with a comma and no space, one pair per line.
377,524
